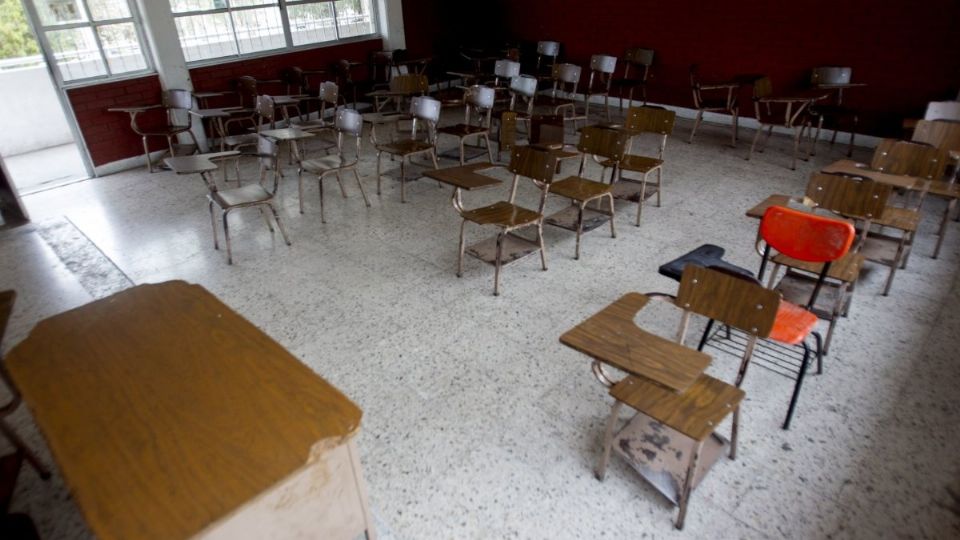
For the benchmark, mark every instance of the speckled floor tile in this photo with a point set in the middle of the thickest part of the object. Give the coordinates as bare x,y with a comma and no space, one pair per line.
477,422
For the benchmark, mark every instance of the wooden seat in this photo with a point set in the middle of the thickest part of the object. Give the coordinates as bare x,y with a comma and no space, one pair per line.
566,82
696,412
502,214
655,121
242,196
835,111
579,189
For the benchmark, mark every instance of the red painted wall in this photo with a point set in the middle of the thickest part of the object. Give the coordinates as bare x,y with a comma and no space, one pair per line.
108,135
906,51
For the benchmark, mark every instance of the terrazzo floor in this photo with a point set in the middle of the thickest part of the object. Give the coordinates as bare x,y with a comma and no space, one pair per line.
477,422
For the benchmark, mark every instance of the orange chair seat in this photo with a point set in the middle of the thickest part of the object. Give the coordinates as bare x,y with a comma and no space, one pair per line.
793,324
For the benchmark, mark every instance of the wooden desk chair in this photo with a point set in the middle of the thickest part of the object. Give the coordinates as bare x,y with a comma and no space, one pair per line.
538,165
523,88
685,420
547,54
176,120
856,198
548,131
347,123
328,99
835,112
381,68
771,111
902,158
249,196
598,142
945,135
566,80
504,71
402,88
722,97
343,75
424,110
640,120
479,105
250,88
297,82
801,236
636,71
600,81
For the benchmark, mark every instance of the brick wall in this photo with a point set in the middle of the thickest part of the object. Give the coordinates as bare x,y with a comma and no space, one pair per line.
108,135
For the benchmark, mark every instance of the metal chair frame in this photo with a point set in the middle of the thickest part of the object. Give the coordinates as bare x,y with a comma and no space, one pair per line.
730,105
347,123
478,103
423,112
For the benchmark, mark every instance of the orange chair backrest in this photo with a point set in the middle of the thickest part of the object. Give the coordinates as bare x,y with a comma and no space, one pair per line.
805,236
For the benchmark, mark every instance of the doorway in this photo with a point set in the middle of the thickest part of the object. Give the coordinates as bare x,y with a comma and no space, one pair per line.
38,142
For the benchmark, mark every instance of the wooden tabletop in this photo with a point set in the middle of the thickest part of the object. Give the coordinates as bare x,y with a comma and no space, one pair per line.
197,163
853,168
287,134
7,298
134,108
613,338
464,177
773,200
166,410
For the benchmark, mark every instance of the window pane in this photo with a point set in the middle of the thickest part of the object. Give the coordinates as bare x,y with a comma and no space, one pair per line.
206,36
54,12
75,52
102,10
241,3
121,46
312,23
354,18
259,29
184,6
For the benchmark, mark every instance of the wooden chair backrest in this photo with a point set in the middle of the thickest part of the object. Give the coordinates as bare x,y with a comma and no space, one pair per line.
850,196
650,120
943,134
639,56
410,83
910,158
606,142
736,301
531,161
762,87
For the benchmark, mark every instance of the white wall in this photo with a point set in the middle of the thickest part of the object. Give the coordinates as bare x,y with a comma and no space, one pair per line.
30,114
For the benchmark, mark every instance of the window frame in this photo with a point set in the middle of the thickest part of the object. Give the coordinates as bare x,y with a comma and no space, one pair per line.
41,29
287,34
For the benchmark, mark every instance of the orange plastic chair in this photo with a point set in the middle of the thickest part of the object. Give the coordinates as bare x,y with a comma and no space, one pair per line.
806,237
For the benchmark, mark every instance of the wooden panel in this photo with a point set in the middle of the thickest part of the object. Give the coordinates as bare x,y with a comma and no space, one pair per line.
939,133
601,141
696,413
7,299
650,120
728,299
409,84
773,200
464,177
508,131
852,168
909,158
855,197
547,129
538,163
612,337
166,410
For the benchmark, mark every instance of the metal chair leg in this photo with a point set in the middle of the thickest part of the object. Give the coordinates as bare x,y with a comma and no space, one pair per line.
226,235
736,126
360,185
266,219
688,485
796,388
753,145
460,249
576,253
378,172
498,264
283,231
696,124
403,180
659,184
734,432
601,471
543,248
613,227
343,191
323,218
22,447
213,221
300,187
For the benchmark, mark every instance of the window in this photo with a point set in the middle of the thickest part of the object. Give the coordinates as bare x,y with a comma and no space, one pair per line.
90,38
218,28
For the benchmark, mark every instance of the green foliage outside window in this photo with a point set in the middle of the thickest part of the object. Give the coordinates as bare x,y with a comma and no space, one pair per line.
16,40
